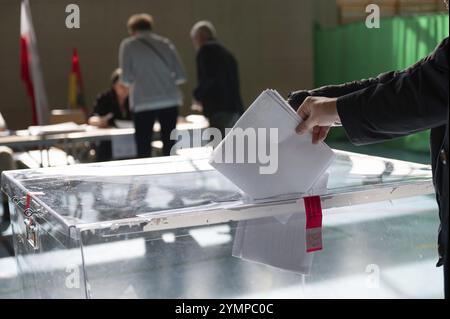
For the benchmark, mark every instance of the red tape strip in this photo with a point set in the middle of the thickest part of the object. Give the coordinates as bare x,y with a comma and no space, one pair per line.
313,210
28,198
28,201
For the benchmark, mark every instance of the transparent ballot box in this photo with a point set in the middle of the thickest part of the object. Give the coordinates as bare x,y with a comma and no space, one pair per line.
173,227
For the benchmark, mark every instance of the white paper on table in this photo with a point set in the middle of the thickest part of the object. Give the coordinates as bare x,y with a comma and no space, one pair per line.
300,163
123,146
268,241
124,124
5,133
66,127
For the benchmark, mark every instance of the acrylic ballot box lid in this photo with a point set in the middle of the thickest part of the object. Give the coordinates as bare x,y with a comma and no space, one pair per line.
184,191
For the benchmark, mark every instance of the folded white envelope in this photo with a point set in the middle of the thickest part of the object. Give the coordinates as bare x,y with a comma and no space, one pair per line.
286,163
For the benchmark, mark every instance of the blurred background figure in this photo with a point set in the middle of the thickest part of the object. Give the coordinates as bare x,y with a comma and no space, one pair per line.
153,70
6,163
109,106
2,123
218,93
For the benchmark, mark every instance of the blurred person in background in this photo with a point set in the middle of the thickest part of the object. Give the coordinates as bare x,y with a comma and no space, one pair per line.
109,106
2,123
394,104
153,70
218,92
6,163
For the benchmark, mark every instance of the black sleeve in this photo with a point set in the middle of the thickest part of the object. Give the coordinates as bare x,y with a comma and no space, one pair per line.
413,100
102,105
296,98
206,72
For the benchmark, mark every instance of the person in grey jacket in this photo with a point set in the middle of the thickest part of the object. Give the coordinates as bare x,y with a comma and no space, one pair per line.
152,69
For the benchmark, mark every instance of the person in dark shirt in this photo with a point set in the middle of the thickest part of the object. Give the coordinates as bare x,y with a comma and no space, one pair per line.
109,106
6,163
391,105
2,123
218,92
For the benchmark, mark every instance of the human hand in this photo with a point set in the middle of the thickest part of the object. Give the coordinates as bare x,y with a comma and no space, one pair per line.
100,121
197,106
296,98
318,114
103,123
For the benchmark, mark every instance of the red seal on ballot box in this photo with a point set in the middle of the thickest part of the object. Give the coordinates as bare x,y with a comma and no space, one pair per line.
313,210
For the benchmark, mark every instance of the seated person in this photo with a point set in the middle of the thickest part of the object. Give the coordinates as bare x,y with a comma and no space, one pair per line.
6,163
110,105
2,123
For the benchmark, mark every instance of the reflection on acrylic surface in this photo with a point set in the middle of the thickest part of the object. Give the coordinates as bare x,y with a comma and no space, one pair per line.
398,237
111,191
274,241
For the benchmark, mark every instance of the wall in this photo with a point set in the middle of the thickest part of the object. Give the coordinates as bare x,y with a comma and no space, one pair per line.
271,39
358,52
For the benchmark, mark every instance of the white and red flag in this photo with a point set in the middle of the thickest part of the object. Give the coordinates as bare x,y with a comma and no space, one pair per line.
31,67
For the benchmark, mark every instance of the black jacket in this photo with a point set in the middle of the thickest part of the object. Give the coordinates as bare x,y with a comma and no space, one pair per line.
218,80
396,104
107,102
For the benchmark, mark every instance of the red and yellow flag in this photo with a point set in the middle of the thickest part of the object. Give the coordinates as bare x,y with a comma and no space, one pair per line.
76,94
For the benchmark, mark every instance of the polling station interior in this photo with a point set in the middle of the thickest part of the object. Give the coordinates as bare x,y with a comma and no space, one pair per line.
152,149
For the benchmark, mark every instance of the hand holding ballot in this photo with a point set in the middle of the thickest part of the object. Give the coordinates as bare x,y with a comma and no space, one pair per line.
318,114
263,155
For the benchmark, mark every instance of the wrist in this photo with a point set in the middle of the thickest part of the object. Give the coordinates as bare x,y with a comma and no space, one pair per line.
337,121
332,104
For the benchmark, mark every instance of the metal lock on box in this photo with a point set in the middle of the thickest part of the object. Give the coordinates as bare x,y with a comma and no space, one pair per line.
32,233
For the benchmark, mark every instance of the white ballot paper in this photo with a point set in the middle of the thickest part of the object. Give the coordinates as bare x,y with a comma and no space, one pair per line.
66,127
124,124
275,243
286,163
278,241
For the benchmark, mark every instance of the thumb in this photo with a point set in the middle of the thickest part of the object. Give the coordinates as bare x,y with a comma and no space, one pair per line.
305,126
